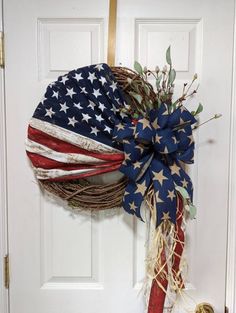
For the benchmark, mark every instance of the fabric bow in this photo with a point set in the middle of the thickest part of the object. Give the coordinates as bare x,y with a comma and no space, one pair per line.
153,149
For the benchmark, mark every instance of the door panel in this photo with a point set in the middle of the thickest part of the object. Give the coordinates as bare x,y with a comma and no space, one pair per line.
201,38
65,263
60,262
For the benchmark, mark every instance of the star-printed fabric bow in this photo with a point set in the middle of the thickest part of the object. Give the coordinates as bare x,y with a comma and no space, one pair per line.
154,148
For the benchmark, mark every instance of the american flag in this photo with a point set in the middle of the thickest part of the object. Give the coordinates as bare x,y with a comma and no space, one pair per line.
70,133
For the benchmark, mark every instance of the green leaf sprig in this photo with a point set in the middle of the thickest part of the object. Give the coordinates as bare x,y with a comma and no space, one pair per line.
164,89
164,83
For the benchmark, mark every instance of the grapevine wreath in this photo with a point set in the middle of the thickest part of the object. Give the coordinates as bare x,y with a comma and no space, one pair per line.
96,120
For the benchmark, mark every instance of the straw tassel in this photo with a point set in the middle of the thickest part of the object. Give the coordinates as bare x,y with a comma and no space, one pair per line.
164,264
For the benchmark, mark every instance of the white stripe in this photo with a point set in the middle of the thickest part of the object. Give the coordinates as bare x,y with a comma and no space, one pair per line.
71,137
34,147
44,174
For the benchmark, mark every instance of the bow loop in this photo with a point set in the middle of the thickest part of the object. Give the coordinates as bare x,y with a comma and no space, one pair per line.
186,156
159,117
123,131
144,131
181,116
165,141
135,161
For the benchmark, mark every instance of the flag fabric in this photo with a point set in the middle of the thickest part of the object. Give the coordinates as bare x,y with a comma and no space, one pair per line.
70,133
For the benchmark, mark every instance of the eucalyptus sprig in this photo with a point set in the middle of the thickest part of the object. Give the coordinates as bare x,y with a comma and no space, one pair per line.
163,90
164,86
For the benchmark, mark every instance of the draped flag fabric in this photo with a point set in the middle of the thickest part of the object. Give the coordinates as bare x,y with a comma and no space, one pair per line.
70,133
80,129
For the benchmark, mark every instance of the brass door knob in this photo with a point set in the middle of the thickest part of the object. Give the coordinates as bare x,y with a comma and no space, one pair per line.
204,308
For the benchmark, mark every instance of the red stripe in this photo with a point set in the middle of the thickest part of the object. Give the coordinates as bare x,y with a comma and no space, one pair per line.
84,175
46,163
179,237
64,147
157,295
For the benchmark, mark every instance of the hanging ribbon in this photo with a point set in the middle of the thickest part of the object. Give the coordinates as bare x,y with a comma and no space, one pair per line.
112,32
160,282
153,148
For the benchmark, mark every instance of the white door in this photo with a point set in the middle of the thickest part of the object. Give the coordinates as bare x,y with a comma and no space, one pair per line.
61,263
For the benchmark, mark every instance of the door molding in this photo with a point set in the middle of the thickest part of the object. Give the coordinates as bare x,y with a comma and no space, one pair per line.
4,296
3,199
231,248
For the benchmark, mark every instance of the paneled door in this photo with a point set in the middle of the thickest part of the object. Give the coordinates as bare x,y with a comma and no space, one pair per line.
65,263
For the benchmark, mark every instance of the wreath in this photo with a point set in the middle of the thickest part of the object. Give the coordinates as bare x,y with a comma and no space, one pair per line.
96,120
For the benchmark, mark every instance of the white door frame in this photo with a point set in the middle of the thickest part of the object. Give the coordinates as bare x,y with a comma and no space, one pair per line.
4,294
231,250
4,305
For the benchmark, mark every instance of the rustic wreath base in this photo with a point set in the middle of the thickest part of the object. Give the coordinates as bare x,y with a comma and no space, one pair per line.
82,194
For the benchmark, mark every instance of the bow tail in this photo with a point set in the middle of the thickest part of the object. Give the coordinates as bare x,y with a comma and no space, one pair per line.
135,193
164,192
181,178
170,238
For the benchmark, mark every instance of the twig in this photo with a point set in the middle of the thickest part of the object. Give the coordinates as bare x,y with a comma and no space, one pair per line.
210,119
